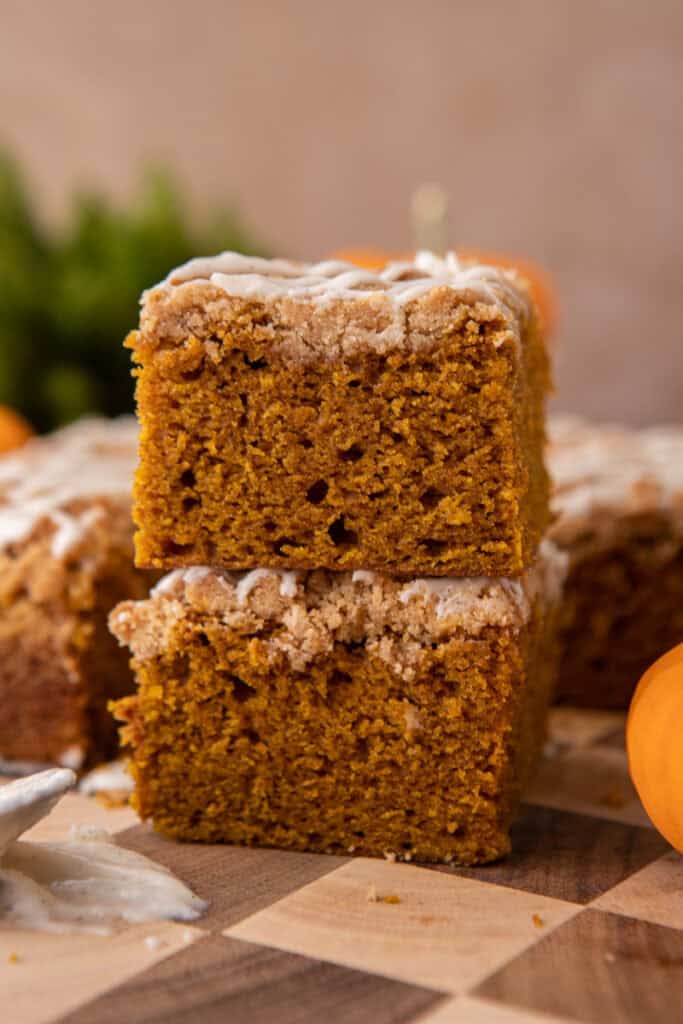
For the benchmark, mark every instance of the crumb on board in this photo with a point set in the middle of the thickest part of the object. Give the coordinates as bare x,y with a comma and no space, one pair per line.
153,942
373,897
13,958
610,958
538,921
113,798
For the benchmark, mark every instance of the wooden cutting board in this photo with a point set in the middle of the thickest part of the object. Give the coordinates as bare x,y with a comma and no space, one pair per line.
583,922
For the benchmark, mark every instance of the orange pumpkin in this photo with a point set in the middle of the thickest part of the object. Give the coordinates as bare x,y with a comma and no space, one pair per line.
371,258
14,430
654,741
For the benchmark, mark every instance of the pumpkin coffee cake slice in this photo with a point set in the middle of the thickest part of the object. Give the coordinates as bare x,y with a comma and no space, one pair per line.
340,712
618,504
321,416
66,558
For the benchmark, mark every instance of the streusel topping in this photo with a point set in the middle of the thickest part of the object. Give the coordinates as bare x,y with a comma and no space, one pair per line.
57,478
604,473
304,613
388,308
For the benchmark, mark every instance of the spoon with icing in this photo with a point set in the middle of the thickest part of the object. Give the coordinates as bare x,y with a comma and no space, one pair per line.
85,884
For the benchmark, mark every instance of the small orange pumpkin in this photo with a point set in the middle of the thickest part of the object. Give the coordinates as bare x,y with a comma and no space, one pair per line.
654,741
371,258
14,430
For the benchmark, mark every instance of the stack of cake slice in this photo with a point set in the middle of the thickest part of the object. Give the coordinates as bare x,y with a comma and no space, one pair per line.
353,650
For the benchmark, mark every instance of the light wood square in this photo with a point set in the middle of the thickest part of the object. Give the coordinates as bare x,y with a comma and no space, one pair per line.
580,727
591,781
440,931
43,976
470,1010
654,894
76,809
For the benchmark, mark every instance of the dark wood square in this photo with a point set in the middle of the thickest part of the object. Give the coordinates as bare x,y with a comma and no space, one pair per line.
236,880
219,980
598,968
569,856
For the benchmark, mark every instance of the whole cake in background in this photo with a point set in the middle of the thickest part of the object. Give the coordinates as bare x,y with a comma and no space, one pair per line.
322,417
618,501
66,547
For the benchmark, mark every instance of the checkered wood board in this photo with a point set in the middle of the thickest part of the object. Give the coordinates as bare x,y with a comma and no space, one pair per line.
583,922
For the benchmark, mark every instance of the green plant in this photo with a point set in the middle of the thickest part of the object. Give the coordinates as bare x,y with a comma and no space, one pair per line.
68,298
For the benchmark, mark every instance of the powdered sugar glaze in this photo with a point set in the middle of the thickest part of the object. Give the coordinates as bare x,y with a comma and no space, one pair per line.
401,282
603,473
48,477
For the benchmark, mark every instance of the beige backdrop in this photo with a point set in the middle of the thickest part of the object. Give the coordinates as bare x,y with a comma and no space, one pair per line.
556,127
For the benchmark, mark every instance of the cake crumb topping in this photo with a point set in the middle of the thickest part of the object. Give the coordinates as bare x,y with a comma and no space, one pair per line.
603,473
51,478
333,309
402,281
288,582
303,615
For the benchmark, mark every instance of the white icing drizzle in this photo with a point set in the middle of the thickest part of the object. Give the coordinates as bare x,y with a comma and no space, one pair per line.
402,282
86,884
288,582
363,576
470,602
193,575
598,469
91,459
167,582
454,597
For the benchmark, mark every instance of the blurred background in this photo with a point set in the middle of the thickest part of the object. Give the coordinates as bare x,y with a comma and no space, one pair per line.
141,133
